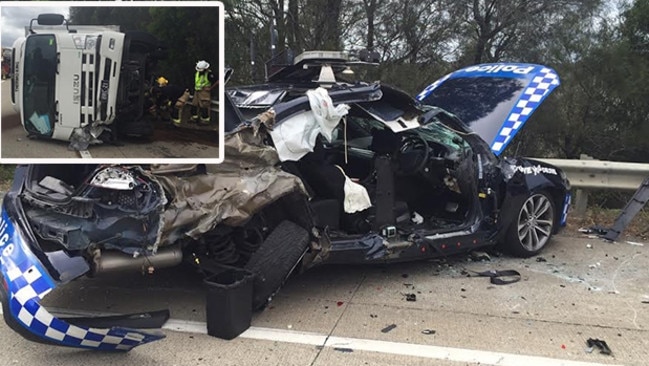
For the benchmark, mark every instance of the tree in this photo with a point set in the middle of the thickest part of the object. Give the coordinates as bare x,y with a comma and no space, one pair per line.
197,39
504,29
128,18
636,27
601,107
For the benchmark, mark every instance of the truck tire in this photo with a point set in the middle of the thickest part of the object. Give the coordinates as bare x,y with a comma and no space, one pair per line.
273,261
142,41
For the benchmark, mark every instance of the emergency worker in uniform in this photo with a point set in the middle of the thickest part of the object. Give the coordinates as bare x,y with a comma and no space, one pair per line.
204,82
169,99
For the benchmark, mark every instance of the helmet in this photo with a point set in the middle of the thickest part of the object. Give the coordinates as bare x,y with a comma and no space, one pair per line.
162,81
202,65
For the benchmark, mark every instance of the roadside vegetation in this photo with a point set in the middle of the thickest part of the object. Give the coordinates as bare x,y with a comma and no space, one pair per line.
6,176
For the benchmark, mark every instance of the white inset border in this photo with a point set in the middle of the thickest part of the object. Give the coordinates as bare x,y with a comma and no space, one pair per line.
57,5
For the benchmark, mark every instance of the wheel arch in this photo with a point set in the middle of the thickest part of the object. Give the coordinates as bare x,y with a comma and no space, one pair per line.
516,193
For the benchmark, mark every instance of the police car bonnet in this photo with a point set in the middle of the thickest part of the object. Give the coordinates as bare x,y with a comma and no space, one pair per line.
494,100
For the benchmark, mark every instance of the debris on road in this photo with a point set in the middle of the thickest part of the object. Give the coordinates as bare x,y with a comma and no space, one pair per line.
343,349
589,246
635,243
541,259
388,328
504,277
428,331
600,344
599,230
411,297
340,303
480,256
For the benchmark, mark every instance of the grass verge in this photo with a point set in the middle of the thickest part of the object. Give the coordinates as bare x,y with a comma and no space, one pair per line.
6,176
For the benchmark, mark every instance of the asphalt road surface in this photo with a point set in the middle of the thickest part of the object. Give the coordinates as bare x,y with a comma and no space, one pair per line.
167,142
579,288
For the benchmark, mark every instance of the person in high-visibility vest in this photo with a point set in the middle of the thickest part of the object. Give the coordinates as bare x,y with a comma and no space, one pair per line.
204,82
169,99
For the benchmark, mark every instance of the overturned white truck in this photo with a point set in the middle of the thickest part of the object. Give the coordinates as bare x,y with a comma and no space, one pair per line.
82,83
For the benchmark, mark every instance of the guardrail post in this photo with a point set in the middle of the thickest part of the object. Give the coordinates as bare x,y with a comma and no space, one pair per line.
581,197
631,209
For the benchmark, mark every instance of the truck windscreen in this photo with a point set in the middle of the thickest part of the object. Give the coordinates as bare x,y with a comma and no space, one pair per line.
39,78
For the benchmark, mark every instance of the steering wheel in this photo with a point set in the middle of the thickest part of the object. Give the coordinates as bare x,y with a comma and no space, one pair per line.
412,155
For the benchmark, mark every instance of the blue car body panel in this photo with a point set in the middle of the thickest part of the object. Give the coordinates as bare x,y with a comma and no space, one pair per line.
27,282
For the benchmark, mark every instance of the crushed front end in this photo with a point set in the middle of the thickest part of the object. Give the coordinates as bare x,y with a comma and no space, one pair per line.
30,273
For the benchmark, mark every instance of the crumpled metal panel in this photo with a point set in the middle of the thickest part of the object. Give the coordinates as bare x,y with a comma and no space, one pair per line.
248,180
27,283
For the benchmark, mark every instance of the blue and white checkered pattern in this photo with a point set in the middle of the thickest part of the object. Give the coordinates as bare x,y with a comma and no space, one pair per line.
28,282
541,81
566,206
541,85
424,93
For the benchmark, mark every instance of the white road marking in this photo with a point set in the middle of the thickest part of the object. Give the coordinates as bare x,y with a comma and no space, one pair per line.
285,335
371,345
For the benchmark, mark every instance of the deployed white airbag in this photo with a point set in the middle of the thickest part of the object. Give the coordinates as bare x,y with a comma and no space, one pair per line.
296,136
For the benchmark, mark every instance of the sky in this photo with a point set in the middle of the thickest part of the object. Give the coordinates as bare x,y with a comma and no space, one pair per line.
15,18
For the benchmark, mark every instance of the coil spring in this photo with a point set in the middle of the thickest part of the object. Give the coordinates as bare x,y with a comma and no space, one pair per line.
221,248
248,241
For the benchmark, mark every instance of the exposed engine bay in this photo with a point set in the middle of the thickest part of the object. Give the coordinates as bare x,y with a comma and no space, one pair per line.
157,212
79,206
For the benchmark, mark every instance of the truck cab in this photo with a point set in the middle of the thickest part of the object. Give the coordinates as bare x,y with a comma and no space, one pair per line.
74,83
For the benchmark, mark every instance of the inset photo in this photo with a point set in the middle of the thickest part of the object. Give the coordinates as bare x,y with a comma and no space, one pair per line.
113,82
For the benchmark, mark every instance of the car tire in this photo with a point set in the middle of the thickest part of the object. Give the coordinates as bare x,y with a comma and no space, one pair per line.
533,226
273,261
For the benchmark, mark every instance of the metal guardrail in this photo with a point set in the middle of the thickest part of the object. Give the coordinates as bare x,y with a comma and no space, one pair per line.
601,174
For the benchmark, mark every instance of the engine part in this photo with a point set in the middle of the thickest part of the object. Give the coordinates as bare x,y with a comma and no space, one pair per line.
112,262
114,178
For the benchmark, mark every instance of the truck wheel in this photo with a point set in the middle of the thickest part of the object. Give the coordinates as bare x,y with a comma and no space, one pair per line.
141,41
533,228
274,260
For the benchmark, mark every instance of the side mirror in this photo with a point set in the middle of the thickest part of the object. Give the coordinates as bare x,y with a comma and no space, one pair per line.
50,19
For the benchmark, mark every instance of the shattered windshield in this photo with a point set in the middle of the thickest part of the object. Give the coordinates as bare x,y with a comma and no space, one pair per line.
38,83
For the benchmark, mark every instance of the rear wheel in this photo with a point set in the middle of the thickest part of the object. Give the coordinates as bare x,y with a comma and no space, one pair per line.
275,259
533,227
141,41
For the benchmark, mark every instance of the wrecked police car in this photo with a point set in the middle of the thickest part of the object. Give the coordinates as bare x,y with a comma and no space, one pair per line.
317,170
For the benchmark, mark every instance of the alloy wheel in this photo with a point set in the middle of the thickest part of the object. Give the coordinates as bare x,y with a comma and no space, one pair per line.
535,222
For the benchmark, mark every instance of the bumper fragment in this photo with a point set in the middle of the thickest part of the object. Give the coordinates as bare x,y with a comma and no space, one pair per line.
26,282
